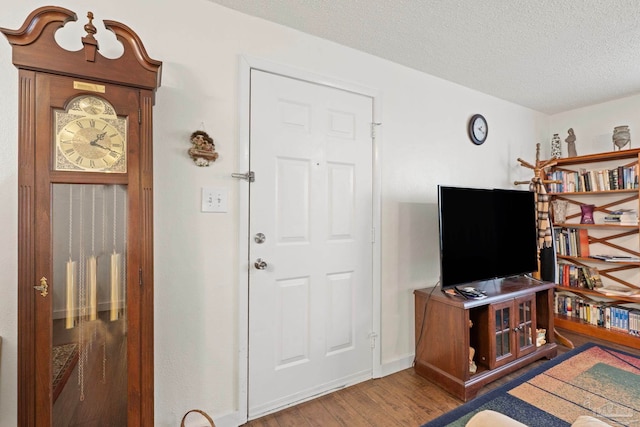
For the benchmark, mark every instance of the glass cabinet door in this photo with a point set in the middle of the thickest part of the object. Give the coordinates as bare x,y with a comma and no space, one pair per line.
514,330
502,335
503,331
526,325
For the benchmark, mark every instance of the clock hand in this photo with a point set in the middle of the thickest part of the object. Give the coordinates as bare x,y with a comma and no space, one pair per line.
105,148
99,137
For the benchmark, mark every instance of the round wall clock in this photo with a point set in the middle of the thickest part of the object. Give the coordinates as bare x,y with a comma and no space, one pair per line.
478,129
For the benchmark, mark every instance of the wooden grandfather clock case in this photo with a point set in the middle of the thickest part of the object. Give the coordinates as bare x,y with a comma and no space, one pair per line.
85,232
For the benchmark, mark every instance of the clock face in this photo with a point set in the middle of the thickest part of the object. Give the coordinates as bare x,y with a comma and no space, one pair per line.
90,137
478,129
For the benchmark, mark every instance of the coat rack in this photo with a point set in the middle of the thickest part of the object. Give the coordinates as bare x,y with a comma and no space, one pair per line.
537,183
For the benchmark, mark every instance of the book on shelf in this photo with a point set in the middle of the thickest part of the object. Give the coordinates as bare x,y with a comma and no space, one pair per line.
634,323
616,258
568,275
622,217
572,241
581,307
583,242
592,277
574,276
629,217
611,290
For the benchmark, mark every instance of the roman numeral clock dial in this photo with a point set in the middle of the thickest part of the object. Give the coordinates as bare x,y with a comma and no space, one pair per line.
90,137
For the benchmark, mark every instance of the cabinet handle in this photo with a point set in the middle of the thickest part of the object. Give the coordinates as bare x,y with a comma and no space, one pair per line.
43,288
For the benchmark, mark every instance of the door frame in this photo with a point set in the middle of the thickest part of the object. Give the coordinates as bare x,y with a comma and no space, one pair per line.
246,64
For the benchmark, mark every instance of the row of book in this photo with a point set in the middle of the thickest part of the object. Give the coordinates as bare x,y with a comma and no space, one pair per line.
613,317
572,241
576,276
621,177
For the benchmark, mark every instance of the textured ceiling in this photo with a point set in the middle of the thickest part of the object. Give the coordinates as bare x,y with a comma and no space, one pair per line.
548,55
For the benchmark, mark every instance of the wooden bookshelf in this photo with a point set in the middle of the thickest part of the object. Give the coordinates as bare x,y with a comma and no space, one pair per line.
603,238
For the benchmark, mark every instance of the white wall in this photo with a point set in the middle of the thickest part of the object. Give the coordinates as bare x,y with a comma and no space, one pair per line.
424,143
594,125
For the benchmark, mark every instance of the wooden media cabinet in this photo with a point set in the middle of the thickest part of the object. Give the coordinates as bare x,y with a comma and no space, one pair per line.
503,332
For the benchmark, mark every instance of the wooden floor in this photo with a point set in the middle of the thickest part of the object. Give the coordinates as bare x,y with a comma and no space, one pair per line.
401,399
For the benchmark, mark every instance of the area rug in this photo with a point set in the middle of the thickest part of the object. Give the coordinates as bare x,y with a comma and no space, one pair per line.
64,358
589,380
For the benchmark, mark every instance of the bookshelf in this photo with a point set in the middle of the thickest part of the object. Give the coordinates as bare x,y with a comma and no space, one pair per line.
609,182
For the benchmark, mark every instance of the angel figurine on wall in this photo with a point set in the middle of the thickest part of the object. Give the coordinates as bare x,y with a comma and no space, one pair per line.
203,150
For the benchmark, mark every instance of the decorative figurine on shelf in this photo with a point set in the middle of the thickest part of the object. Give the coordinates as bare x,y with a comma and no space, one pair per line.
571,144
472,365
556,147
203,149
621,137
541,337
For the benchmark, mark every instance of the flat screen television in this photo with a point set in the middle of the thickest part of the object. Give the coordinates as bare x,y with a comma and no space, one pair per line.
485,234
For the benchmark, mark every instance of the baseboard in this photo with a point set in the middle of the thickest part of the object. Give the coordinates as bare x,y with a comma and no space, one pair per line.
397,365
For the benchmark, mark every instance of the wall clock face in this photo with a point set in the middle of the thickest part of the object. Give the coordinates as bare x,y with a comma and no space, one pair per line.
90,137
478,129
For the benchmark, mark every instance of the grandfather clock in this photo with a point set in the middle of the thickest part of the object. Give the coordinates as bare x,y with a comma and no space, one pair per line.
85,232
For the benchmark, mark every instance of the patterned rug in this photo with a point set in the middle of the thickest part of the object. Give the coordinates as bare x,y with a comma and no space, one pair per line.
589,380
65,357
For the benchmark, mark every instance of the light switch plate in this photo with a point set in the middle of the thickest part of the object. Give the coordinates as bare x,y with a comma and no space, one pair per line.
214,199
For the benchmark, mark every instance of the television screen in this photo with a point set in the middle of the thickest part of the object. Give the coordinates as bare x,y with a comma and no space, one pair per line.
485,234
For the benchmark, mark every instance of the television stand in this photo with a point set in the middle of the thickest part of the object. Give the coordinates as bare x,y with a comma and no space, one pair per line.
501,330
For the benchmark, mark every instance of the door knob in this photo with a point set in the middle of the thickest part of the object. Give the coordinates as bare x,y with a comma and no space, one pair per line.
260,264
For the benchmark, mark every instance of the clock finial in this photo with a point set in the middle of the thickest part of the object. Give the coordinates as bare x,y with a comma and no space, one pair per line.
89,42
89,27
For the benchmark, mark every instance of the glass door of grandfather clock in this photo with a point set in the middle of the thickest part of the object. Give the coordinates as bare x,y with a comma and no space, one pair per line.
89,304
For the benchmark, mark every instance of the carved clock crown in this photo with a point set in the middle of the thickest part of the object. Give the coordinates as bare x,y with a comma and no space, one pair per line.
35,48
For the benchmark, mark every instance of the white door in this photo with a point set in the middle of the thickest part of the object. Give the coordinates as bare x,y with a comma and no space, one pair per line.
310,301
